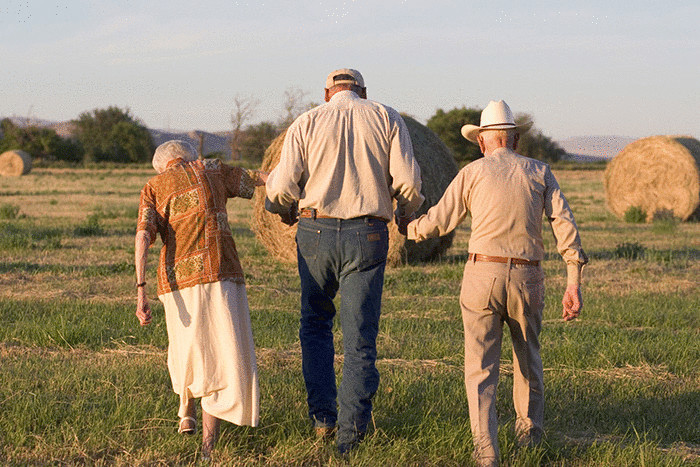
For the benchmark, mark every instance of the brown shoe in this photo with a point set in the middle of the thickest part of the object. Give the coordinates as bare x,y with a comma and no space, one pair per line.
529,439
187,425
325,432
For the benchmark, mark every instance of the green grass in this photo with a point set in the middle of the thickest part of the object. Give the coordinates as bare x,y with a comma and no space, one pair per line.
635,215
84,384
9,211
22,236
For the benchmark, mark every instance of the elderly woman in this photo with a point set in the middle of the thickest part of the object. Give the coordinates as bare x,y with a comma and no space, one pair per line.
200,282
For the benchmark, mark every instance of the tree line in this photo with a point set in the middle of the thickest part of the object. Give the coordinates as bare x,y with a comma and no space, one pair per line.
102,135
447,126
114,135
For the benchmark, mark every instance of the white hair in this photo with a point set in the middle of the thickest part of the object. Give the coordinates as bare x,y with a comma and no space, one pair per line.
507,135
171,150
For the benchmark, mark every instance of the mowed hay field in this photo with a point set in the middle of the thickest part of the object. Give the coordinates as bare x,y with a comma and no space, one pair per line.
82,383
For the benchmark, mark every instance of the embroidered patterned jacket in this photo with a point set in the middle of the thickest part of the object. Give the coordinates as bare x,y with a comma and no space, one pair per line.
186,205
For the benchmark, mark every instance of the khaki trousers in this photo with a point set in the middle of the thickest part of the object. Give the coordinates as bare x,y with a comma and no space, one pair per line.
493,294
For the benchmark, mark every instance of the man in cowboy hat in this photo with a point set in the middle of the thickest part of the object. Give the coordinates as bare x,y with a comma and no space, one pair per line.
343,162
506,195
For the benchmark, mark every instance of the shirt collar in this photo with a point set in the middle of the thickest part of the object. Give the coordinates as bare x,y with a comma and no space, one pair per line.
499,152
347,94
173,162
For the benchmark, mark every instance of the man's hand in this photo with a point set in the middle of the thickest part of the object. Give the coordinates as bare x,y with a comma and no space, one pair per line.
402,223
573,302
143,309
291,216
288,215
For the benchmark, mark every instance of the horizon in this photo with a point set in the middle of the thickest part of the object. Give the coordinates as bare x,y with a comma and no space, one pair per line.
585,148
594,69
38,121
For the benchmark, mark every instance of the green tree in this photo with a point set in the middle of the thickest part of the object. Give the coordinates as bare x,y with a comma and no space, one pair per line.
536,145
448,125
257,139
38,142
113,135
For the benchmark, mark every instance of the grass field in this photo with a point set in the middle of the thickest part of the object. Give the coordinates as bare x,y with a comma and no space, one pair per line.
82,383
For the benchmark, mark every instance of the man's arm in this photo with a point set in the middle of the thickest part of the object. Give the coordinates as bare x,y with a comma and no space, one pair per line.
568,240
404,170
447,214
282,186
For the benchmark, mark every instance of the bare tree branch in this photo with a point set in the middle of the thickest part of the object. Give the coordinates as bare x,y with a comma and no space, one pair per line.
243,110
295,104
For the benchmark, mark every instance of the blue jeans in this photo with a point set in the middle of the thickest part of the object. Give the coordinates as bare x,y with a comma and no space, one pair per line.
347,256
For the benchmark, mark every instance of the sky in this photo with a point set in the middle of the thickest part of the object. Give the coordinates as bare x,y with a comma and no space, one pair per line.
594,68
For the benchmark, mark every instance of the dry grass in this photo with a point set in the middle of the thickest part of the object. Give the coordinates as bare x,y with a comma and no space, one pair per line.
619,277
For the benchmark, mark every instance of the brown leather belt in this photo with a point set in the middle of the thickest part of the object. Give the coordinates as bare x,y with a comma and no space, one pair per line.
502,259
313,214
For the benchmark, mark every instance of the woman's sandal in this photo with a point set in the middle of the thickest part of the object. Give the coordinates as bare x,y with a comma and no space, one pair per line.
187,425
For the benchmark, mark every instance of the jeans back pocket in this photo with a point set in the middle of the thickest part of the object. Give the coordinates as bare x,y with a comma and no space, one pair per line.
308,241
374,245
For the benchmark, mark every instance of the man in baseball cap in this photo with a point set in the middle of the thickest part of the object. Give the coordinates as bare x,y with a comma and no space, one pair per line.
344,162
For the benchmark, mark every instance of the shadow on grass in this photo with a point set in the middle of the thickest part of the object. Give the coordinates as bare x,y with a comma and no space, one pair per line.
611,410
661,256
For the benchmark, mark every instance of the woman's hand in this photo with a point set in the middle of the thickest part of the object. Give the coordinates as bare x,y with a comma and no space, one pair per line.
262,178
143,309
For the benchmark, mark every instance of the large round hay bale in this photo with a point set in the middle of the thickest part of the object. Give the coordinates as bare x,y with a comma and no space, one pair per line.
438,168
657,174
15,163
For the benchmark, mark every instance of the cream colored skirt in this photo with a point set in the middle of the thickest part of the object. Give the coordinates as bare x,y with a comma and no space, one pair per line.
210,350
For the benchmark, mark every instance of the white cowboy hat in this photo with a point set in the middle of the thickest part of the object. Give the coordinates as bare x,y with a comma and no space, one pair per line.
496,116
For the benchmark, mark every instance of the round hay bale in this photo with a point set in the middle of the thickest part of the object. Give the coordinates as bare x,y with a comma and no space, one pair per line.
15,163
438,168
657,174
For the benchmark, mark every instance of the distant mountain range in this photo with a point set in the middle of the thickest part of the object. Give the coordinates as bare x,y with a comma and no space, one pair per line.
594,148
213,142
582,148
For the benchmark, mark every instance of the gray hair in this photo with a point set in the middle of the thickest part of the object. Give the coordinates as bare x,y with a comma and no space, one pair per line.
171,150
